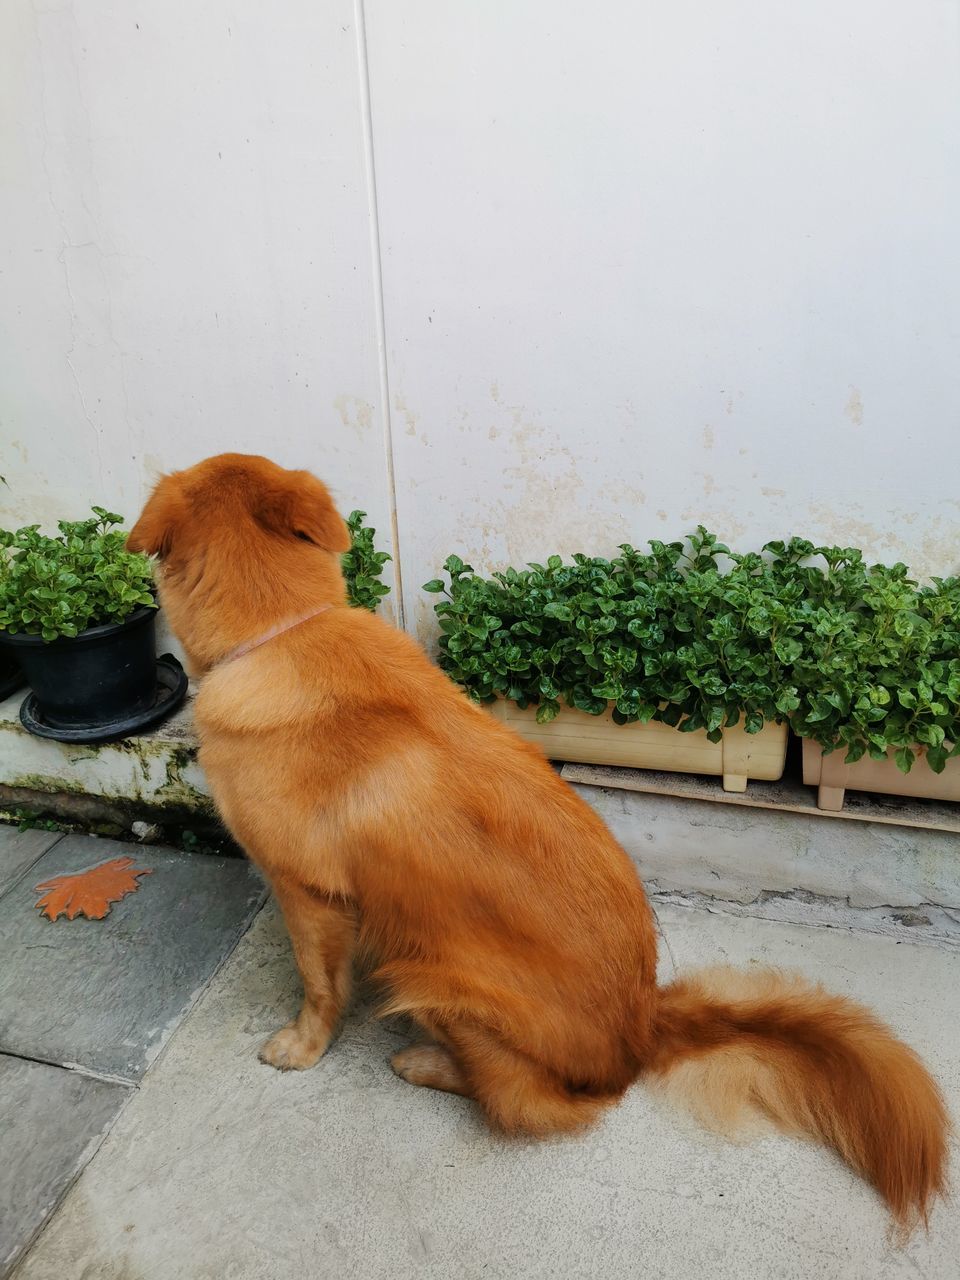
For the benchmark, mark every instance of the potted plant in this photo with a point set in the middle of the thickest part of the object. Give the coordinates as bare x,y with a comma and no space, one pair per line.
78,612
673,659
877,677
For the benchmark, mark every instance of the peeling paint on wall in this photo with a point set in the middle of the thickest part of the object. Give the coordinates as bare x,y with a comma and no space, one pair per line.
355,413
854,407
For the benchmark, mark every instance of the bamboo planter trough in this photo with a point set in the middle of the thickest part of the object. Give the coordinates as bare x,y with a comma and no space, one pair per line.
584,739
832,777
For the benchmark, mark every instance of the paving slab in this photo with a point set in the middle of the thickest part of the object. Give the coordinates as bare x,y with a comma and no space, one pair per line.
50,1120
222,1168
19,850
913,987
106,994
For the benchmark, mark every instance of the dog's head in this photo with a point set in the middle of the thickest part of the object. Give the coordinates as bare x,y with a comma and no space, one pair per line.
242,544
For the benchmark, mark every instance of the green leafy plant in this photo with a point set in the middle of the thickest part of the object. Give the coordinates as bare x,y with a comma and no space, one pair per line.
363,564
693,636
699,637
62,584
30,820
879,660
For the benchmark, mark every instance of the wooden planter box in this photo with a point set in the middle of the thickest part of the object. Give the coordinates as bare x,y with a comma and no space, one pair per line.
585,739
832,777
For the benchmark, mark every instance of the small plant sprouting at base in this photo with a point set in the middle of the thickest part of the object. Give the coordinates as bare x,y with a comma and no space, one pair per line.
363,565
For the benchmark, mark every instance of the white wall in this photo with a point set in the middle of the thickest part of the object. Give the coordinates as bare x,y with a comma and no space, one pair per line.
642,265
651,264
186,249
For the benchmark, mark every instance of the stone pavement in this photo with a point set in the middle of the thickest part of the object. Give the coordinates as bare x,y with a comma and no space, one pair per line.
219,1168
87,1005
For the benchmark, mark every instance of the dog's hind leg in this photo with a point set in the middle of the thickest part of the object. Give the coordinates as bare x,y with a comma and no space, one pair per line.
517,1094
323,933
432,1066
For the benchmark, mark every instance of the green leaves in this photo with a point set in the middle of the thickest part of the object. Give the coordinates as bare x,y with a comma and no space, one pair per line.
363,564
562,612
937,758
683,637
880,661
699,636
60,585
788,649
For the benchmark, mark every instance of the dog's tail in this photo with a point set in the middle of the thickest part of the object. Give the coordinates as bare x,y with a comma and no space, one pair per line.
727,1043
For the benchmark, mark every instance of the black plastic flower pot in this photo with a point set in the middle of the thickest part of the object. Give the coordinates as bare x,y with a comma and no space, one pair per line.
11,677
106,675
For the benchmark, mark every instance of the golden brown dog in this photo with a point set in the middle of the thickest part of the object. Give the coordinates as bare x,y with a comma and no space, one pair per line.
390,813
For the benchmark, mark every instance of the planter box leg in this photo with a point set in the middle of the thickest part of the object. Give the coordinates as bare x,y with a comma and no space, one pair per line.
833,781
734,782
832,777
830,798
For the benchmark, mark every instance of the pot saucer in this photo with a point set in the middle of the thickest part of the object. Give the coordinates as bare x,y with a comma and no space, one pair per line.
169,694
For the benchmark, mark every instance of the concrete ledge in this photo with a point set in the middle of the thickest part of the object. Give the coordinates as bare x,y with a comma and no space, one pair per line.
788,795
739,854
154,776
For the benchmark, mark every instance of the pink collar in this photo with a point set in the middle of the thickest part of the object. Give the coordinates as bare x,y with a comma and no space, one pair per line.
242,649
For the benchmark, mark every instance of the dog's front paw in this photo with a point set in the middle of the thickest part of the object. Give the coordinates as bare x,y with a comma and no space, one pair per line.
292,1050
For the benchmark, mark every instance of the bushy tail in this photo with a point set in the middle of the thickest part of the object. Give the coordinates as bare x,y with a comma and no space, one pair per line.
729,1043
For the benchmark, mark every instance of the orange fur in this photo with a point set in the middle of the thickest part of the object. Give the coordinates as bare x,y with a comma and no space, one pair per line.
393,815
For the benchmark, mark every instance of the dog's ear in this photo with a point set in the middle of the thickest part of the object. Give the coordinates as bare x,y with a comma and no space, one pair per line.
300,507
155,531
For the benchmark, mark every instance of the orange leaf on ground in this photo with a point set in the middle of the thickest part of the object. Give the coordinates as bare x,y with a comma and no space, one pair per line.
89,893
